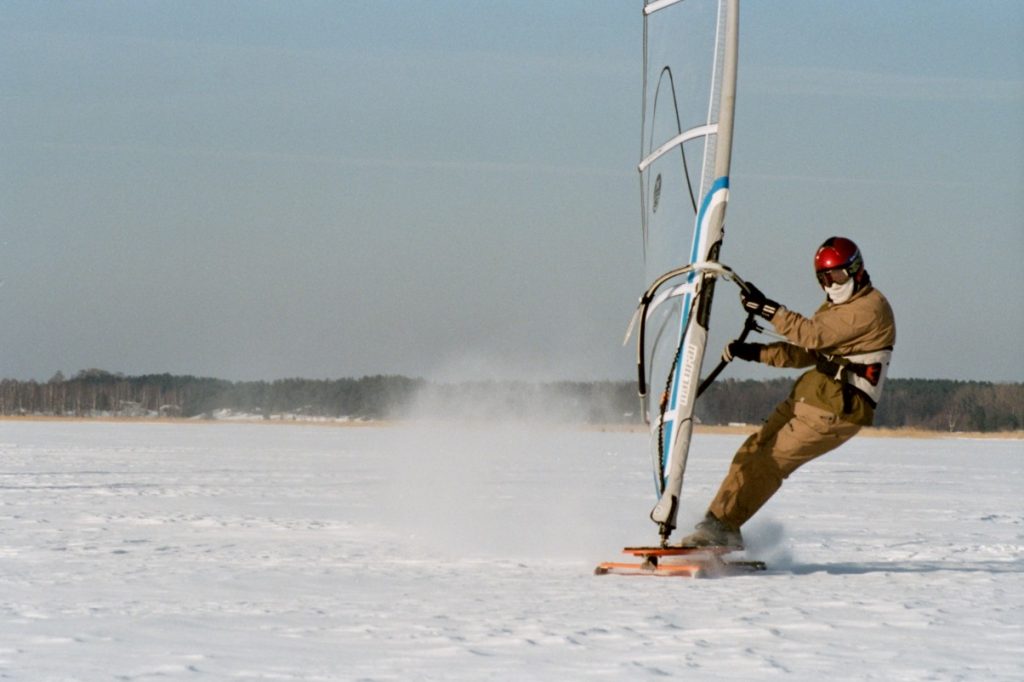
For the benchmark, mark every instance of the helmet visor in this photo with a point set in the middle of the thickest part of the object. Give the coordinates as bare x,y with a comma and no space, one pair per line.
833,276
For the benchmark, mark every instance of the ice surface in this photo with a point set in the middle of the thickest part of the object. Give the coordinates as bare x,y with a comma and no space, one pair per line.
436,552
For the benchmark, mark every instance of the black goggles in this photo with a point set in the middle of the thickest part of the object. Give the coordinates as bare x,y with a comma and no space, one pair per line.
833,276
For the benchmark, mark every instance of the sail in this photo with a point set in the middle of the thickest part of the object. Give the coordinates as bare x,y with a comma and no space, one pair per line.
690,49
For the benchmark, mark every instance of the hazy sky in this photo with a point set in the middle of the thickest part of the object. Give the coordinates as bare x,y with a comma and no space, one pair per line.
448,189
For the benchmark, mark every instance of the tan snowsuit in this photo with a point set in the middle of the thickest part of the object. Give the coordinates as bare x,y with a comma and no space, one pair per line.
821,412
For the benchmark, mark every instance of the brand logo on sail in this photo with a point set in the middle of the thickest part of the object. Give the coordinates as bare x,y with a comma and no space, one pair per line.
689,362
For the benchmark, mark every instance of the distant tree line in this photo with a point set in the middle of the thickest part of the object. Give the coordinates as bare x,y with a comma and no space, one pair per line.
92,392
928,404
931,404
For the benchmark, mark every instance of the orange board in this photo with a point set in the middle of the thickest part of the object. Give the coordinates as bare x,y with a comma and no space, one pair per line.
689,562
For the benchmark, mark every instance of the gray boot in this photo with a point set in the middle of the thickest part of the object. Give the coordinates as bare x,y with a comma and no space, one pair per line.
713,533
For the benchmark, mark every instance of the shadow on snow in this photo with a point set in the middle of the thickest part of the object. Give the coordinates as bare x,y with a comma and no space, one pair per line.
1008,566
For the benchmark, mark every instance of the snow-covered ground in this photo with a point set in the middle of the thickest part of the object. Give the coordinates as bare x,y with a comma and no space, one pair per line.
434,552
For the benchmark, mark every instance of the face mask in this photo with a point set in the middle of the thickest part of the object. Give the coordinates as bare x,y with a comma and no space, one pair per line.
840,293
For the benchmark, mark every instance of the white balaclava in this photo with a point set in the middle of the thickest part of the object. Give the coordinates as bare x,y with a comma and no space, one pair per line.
840,293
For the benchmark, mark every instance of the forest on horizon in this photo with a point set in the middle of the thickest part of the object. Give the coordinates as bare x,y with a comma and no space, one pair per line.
932,404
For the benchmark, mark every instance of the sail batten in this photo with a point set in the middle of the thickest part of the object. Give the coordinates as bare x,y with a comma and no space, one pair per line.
681,138
653,7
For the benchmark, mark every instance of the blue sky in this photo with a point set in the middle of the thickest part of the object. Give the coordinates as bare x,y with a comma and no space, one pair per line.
447,189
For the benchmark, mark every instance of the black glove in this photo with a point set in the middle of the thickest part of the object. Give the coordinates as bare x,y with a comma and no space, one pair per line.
751,352
756,302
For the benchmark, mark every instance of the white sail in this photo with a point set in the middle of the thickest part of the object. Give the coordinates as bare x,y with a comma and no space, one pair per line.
690,51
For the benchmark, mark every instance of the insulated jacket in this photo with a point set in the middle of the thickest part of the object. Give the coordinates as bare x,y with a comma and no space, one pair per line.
863,324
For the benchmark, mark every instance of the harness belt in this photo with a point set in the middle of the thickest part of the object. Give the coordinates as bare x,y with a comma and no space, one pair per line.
863,373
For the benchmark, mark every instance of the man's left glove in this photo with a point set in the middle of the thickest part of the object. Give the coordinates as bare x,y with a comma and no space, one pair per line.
751,352
756,302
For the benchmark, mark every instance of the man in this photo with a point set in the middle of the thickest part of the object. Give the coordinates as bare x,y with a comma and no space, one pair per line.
848,342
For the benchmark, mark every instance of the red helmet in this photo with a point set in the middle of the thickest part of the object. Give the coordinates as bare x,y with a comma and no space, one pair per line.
838,252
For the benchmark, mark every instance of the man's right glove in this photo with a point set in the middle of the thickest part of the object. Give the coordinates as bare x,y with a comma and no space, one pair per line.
751,352
756,302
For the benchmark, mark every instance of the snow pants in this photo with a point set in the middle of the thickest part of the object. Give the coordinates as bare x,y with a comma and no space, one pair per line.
793,435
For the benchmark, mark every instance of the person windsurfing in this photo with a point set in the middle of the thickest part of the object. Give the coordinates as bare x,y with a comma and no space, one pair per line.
848,343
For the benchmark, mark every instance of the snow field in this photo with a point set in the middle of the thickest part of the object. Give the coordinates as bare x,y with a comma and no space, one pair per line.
444,552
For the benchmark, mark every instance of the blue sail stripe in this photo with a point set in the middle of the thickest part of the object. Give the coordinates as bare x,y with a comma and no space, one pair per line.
665,451
717,186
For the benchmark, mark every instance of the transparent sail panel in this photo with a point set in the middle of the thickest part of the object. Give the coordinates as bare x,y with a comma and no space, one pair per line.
682,57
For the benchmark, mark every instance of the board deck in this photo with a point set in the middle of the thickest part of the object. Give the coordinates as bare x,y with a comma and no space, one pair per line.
669,550
687,562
